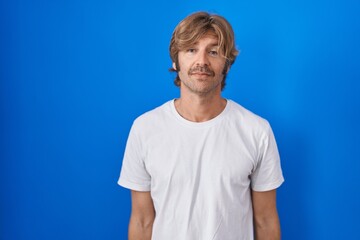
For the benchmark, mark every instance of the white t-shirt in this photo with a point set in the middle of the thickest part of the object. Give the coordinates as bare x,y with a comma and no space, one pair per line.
200,175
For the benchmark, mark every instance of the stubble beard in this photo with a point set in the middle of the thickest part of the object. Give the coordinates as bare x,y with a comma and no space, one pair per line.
202,87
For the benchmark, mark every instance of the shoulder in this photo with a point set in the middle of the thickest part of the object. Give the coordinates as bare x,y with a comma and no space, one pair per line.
153,118
247,118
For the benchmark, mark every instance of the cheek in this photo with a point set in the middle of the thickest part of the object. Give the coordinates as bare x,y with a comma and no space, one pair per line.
182,71
220,69
184,68
182,74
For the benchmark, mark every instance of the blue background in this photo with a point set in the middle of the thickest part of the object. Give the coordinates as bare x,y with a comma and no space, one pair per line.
75,74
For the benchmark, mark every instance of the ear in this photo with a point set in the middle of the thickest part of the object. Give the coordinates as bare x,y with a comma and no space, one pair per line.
227,70
174,66
226,67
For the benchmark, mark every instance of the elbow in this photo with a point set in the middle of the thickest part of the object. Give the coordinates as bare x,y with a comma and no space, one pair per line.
140,228
267,228
143,223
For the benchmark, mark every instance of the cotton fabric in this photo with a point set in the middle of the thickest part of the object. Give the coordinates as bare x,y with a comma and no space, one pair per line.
200,175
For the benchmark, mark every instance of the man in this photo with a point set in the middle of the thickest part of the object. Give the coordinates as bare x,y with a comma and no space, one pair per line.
202,167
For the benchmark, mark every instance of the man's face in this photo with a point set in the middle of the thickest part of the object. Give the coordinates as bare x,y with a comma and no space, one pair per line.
202,66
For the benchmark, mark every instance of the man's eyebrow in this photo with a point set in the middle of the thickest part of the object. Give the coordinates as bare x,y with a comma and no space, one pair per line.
211,45
214,45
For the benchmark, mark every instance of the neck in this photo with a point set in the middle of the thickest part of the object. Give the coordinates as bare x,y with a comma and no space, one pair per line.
200,108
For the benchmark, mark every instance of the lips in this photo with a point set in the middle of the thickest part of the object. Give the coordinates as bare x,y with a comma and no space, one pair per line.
201,73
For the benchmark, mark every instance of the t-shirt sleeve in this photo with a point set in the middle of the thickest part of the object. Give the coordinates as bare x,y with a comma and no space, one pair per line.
267,174
133,173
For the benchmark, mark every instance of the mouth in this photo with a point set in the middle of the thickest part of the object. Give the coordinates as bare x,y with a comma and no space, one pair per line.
201,73
201,76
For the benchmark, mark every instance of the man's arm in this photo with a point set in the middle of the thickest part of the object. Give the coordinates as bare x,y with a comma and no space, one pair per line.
266,219
142,216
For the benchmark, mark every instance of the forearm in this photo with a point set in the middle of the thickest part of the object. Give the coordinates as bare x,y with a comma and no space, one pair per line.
140,229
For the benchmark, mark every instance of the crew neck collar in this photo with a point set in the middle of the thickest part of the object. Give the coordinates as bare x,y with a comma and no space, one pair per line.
199,124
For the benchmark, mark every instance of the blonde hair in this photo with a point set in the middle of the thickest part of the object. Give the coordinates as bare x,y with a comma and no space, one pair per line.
194,27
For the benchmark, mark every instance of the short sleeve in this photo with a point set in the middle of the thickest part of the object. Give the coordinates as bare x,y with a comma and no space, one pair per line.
133,173
267,174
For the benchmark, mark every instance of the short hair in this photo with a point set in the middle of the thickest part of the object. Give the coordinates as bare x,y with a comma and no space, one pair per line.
194,27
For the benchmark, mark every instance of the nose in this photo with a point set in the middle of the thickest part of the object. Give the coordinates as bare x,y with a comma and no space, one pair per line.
202,58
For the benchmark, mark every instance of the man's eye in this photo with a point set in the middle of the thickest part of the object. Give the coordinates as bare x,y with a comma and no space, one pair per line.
213,53
191,50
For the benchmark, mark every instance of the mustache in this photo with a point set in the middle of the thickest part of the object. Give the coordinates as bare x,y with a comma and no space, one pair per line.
201,69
